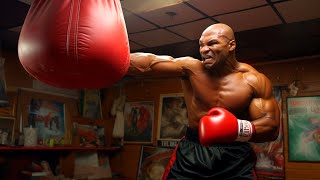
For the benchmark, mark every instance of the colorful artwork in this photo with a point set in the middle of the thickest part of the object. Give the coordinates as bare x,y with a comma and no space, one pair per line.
92,104
49,119
173,120
90,136
153,162
270,157
304,128
139,118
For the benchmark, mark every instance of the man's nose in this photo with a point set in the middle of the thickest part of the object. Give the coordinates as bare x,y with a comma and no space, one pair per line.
204,49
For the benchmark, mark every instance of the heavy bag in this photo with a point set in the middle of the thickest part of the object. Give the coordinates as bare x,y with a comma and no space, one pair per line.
75,44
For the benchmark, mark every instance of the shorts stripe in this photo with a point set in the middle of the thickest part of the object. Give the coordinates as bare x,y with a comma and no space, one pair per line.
172,160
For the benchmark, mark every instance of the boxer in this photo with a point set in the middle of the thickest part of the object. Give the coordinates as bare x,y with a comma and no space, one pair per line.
229,104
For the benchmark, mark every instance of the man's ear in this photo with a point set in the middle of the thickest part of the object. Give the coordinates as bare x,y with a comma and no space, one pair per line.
232,45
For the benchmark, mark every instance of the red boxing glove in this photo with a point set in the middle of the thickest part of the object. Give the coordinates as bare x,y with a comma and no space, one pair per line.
220,126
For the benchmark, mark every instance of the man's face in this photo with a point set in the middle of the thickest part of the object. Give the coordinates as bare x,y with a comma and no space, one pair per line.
214,49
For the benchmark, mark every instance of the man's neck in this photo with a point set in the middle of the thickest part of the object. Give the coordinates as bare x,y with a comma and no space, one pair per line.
230,66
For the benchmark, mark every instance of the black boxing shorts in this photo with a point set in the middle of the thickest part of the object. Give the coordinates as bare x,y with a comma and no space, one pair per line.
224,161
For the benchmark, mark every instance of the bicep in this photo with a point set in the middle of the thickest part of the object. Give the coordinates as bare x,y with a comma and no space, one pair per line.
265,116
263,104
264,110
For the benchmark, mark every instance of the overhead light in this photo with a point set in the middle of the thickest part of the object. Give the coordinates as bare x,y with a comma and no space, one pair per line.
26,1
171,13
16,29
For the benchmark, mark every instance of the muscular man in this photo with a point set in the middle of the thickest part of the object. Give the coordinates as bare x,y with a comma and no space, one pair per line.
218,80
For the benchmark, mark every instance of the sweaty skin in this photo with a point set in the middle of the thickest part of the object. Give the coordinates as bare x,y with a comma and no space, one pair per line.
217,80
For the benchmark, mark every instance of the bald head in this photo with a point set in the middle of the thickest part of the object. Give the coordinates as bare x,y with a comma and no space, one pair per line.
221,30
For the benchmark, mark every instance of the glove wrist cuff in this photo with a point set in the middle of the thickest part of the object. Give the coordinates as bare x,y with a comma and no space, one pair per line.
245,130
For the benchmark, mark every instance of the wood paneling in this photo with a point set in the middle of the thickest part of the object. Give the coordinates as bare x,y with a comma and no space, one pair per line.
15,74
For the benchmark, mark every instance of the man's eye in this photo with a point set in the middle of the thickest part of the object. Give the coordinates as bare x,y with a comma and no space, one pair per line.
212,43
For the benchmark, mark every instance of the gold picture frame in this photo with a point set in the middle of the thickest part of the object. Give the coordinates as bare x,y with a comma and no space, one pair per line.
49,112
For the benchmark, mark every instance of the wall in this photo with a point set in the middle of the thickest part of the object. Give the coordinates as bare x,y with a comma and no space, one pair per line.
126,162
307,76
15,75
304,71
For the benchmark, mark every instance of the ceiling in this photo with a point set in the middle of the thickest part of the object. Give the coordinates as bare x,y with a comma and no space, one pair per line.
266,30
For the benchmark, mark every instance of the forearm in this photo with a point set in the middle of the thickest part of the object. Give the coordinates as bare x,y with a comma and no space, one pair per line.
266,129
142,63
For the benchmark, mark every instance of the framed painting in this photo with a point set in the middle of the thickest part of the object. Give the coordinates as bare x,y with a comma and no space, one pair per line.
153,162
139,118
89,135
173,120
92,104
10,110
304,128
50,114
3,87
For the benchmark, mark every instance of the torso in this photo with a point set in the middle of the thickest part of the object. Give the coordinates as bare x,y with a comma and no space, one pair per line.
202,91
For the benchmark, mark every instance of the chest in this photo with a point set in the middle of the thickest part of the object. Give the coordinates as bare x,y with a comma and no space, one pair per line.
232,92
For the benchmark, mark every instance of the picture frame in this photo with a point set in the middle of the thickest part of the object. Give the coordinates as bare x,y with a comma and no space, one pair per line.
10,110
139,120
89,135
173,120
49,113
153,162
3,85
303,128
92,104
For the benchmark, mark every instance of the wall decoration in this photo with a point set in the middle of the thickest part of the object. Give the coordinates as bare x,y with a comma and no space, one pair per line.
89,135
173,120
10,109
139,118
92,104
3,87
153,162
48,117
49,113
304,128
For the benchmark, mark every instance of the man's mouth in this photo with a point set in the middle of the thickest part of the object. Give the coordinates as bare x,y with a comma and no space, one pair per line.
207,58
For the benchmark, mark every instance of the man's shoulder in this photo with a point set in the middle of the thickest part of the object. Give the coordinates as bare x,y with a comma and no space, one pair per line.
188,59
246,68
258,81
189,63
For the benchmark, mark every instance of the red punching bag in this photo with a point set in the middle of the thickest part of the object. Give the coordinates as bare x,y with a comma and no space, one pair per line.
75,44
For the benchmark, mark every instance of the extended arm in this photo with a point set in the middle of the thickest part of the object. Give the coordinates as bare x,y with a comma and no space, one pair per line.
160,66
